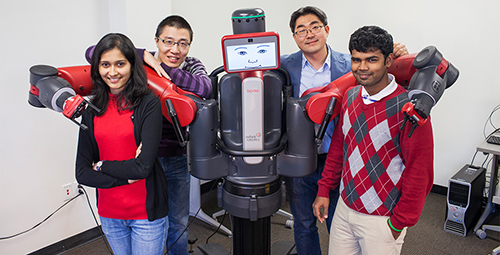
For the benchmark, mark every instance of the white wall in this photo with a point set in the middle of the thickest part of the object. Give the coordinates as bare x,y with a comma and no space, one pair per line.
466,32
37,146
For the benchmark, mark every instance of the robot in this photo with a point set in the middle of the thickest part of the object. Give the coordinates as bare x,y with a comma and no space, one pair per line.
63,90
254,131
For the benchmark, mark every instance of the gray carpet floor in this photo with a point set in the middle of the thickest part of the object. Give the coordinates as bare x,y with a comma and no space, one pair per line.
426,237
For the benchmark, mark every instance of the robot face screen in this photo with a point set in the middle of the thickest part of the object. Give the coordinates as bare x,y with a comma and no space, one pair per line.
251,53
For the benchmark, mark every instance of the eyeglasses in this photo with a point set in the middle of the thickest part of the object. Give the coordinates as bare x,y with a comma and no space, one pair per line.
170,43
313,30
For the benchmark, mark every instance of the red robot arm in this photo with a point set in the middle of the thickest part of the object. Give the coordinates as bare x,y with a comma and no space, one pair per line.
62,90
426,75
164,89
317,105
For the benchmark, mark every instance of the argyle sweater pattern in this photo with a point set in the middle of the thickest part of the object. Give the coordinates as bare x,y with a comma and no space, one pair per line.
380,170
372,153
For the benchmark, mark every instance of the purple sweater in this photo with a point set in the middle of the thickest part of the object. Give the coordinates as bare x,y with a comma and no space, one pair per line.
192,77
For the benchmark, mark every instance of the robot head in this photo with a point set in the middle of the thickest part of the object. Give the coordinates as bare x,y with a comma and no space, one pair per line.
250,20
250,48
251,52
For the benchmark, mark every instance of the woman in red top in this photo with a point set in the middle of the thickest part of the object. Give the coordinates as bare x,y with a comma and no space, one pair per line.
117,154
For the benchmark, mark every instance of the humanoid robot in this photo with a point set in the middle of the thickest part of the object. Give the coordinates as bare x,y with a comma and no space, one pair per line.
254,131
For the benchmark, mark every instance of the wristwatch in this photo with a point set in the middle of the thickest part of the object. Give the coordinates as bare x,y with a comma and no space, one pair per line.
98,165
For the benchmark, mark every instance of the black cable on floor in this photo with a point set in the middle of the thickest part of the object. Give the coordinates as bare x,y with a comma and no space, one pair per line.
194,217
40,223
220,224
80,187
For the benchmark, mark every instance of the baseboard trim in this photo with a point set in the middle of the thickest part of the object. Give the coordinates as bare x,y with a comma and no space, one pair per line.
70,242
93,233
440,190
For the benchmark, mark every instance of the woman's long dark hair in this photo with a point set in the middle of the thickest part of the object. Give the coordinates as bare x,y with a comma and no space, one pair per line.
135,88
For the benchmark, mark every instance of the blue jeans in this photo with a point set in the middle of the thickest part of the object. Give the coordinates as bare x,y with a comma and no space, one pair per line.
178,179
301,195
135,236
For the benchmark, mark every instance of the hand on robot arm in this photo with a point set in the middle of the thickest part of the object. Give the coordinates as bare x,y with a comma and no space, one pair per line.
426,75
184,107
195,81
178,109
177,105
399,50
150,60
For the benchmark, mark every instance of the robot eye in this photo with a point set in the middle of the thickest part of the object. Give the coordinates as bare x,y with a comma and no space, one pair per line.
242,53
262,51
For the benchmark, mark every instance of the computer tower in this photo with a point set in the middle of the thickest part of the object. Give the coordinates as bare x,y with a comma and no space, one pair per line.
465,199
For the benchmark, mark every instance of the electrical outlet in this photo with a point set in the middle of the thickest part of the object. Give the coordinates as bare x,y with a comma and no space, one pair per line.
75,188
68,191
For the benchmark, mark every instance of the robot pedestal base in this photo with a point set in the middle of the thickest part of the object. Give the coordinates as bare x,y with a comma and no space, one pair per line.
278,248
210,249
249,238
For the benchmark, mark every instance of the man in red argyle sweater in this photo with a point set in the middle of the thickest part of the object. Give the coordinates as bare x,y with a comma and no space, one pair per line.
384,176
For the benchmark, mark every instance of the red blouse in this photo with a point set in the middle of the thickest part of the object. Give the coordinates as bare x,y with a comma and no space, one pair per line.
114,133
